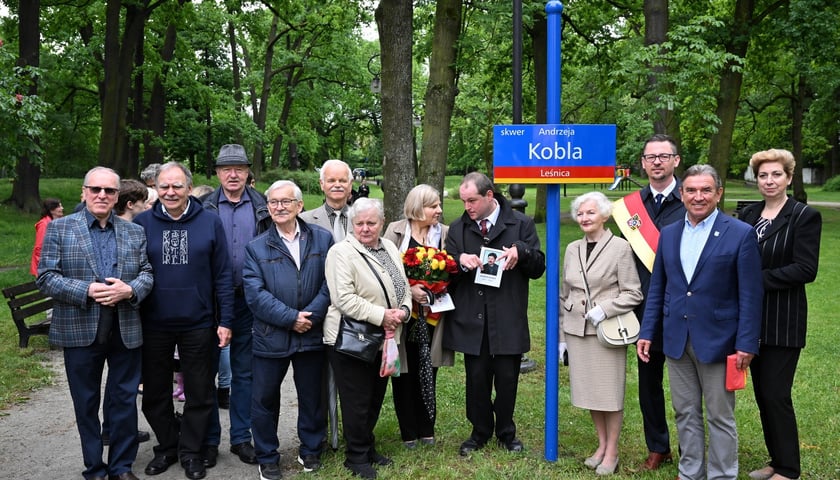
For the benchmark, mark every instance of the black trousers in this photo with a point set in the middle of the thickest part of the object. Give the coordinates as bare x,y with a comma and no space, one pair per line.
412,416
652,403
197,351
484,372
361,392
773,370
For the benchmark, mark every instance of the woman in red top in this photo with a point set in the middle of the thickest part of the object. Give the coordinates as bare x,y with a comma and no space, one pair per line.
51,209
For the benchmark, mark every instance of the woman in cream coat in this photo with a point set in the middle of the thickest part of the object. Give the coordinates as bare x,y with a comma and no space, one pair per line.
597,373
421,227
355,291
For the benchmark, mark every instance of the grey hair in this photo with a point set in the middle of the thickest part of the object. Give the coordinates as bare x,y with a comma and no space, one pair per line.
102,169
283,184
150,172
335,163
703,169
168,165
364,204
601,201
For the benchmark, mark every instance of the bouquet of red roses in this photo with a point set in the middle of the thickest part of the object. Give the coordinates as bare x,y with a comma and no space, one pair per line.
431,268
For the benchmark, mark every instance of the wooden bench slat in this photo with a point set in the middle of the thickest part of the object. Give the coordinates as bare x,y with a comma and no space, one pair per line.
25,301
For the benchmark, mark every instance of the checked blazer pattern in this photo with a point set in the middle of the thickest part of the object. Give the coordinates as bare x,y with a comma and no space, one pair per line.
67,268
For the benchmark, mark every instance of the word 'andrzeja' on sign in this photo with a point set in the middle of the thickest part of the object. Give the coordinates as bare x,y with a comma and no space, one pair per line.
554,153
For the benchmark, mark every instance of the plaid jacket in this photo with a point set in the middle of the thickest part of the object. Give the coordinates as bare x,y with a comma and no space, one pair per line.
68,267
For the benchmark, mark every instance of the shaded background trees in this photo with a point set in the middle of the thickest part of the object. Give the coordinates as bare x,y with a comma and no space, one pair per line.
127,83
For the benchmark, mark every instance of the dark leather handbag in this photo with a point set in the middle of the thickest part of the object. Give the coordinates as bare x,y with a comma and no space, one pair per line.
359,339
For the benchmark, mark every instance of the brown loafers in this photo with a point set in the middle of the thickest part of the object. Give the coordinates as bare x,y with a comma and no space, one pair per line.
655,460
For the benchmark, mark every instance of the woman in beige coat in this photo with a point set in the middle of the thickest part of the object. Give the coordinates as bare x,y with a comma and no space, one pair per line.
354,268
604,264
421,227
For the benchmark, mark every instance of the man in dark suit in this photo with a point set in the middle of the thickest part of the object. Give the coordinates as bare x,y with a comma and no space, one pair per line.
337,184
704,302
94,266
659,204
490,325
490,268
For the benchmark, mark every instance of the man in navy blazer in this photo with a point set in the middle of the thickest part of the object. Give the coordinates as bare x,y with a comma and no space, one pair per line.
704,303
94,266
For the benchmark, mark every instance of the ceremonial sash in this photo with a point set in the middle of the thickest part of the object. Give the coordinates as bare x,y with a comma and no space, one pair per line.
637,227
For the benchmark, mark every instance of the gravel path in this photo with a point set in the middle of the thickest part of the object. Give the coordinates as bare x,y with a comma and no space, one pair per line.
39,440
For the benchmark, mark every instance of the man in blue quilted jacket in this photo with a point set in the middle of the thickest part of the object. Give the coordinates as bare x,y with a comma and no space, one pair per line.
286,289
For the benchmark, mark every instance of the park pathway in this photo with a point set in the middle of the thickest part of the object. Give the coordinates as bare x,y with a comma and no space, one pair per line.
39,439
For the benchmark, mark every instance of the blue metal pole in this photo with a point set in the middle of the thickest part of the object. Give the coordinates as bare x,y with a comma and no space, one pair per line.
553,10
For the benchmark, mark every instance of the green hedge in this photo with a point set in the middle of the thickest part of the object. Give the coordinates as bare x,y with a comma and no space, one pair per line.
832,185
308,181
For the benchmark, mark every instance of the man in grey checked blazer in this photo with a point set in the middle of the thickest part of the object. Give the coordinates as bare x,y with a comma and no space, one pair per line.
94,266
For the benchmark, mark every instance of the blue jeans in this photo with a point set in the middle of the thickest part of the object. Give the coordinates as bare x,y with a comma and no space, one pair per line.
224,368
240,385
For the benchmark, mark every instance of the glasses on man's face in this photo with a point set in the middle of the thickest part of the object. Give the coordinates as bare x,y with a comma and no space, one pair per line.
285,203
97,190
662,157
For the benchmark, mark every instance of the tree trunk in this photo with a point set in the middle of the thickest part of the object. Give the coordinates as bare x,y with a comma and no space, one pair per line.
730,89
539,50
440,94
118,68
136,117
798,109
396,32
25,194
157,101
262,109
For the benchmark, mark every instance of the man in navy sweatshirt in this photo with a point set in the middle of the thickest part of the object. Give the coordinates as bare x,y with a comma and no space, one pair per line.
191,307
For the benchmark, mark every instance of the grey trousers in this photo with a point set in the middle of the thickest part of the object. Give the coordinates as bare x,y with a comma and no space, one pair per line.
692,383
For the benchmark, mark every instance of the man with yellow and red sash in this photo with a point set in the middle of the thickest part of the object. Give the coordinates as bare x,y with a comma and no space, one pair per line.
640,216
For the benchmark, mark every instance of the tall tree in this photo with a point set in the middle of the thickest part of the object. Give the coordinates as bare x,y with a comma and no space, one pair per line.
440,93
122,37
396,31
28,170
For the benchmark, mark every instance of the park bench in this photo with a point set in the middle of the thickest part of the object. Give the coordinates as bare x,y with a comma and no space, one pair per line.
25,302
741,205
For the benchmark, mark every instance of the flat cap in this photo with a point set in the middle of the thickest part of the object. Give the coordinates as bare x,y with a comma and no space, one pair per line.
232,154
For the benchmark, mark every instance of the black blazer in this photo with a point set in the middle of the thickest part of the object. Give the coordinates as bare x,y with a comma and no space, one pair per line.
790,253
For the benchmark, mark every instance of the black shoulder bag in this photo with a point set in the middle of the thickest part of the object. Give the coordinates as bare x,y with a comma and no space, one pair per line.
360,339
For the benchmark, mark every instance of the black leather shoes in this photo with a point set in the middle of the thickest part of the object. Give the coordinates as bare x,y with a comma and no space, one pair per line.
381,460
124,476
160,464
245,452
194,468
514,445
211,455
470,445
142,436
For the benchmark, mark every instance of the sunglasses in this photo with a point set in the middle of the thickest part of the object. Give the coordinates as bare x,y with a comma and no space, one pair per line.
108,191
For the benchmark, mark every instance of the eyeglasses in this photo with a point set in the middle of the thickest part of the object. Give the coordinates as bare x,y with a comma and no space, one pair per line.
662,157
108,190
286,202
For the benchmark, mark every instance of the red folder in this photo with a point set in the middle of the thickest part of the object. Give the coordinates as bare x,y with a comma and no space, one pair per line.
735,379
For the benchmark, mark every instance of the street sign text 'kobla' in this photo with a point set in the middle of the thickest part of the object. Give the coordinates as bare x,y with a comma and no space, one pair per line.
554,153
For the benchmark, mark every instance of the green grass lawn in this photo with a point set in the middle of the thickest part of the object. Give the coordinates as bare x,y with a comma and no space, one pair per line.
816,392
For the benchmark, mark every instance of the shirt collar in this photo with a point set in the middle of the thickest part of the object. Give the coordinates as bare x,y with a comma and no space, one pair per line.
94,222
703,224
493,218
165,212
667,191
